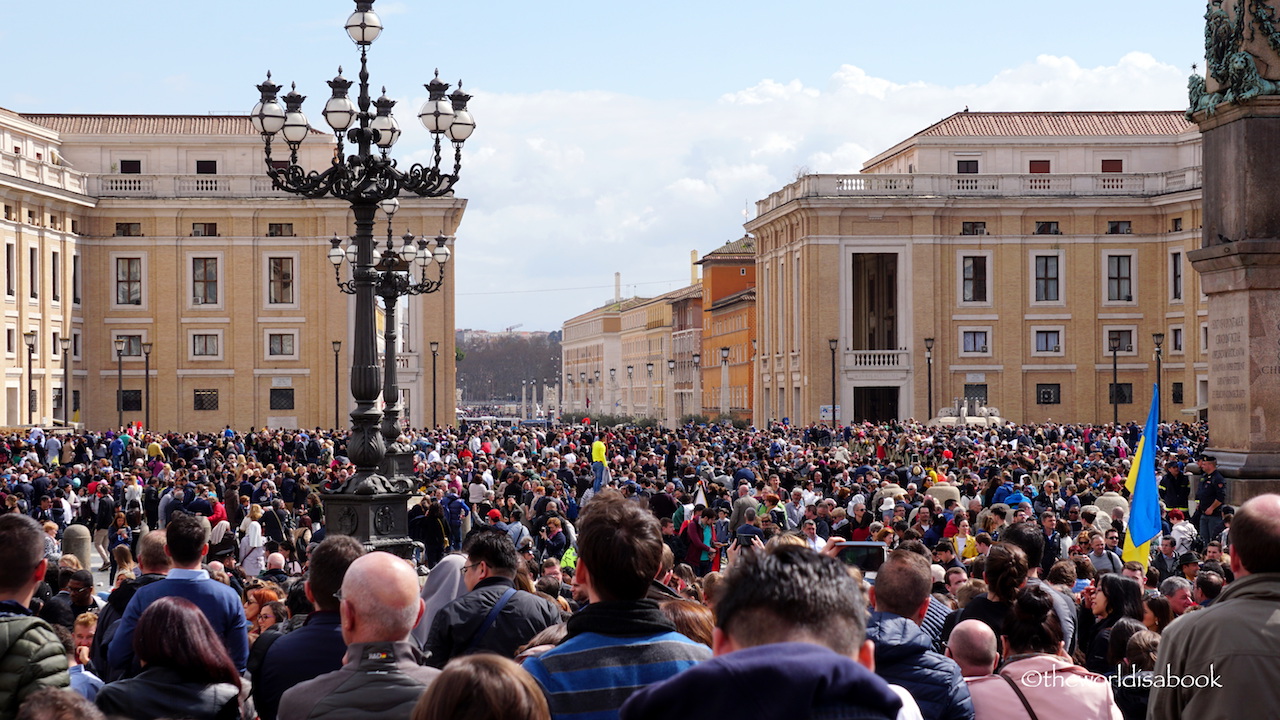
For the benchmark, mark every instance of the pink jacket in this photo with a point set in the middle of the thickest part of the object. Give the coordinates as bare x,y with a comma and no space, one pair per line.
1055,688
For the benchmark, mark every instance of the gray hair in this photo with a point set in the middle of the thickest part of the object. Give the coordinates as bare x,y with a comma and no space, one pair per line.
1171,586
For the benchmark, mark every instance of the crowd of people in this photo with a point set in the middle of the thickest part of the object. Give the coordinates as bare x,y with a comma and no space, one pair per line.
892,570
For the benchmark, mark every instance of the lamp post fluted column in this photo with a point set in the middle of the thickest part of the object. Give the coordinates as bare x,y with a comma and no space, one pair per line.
65,342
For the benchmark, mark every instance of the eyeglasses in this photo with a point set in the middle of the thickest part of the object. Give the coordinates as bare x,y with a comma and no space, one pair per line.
465,568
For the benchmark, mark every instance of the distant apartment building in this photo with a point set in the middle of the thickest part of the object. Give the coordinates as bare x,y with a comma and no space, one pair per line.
729,330
164,232
1023,246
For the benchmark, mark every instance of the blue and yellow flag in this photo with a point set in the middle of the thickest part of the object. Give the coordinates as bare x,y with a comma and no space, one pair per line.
1144,490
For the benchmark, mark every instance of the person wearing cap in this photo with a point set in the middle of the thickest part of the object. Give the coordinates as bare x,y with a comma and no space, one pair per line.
495,520
1210,498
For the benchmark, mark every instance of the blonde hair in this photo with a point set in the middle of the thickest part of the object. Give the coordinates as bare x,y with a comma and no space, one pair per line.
255,512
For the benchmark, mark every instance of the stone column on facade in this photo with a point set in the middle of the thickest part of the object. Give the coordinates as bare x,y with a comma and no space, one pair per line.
1237,107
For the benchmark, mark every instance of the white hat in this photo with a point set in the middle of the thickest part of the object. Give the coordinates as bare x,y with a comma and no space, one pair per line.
887,505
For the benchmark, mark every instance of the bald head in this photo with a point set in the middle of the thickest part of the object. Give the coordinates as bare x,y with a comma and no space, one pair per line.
973,646
275,561
380,600
1255,537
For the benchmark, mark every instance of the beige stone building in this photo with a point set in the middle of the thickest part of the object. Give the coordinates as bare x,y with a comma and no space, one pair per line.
1022,244
164,232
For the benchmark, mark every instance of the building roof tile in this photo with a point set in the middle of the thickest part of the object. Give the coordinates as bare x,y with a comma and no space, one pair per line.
147,124
1024,124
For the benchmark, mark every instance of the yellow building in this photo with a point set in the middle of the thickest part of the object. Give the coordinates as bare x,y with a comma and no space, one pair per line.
729,329
1022,245
169,237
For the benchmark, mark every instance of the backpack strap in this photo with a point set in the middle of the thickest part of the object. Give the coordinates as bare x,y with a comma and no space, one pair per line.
489,620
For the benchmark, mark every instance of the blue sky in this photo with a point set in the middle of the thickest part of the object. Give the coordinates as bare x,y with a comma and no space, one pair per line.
618,137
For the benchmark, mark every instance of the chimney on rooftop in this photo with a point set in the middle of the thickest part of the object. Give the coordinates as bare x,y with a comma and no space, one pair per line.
617,287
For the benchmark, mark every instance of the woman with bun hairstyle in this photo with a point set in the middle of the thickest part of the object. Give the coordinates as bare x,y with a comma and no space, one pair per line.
1038,680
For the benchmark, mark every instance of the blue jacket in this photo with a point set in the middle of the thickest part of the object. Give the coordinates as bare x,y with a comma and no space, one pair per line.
219,603
782,680
904,657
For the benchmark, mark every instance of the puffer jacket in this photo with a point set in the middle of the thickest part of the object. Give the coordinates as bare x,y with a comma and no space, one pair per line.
31,659
904,657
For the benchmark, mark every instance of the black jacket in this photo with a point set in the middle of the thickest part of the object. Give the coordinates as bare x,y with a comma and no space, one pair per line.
453,632
160,692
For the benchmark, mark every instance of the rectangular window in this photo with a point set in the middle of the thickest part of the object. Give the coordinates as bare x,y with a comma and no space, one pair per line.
973,228
1112,166
976,391
1119,227
1122,340
131,400
55,276
975,341
281,398
1048,341
75,344
280,285
1047,227
204,285
128,229
128,281
279,229
1120,393
130,167
75,401
204,229
1120,278
56,346
57,399
33,265
1048,393
204,345
205,400
1046,278
1204,338
132,345
1176,342
10,270
280,344
1177,393
11,340
8,212
1038,166
1175,275
206,167
975,278
1176,225
966,166
75,279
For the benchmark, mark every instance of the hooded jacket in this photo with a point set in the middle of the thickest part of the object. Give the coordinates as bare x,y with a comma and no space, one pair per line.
31,659
803,681
1236,642
904,656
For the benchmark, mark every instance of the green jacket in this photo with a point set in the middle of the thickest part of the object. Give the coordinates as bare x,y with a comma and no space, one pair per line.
31,658
1233,647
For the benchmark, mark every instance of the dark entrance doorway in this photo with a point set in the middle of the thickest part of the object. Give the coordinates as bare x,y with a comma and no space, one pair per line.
875,404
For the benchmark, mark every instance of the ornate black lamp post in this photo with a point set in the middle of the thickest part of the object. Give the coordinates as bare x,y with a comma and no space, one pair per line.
366,179
29,337
146,384
928,358
65,342
1158,339
1114,345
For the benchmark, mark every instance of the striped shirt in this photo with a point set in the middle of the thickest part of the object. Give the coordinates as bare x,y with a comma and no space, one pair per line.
589,676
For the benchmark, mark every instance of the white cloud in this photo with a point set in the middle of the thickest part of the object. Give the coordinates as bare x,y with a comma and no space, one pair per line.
565,188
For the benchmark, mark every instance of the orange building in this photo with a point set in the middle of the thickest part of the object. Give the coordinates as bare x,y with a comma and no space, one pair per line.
729,323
